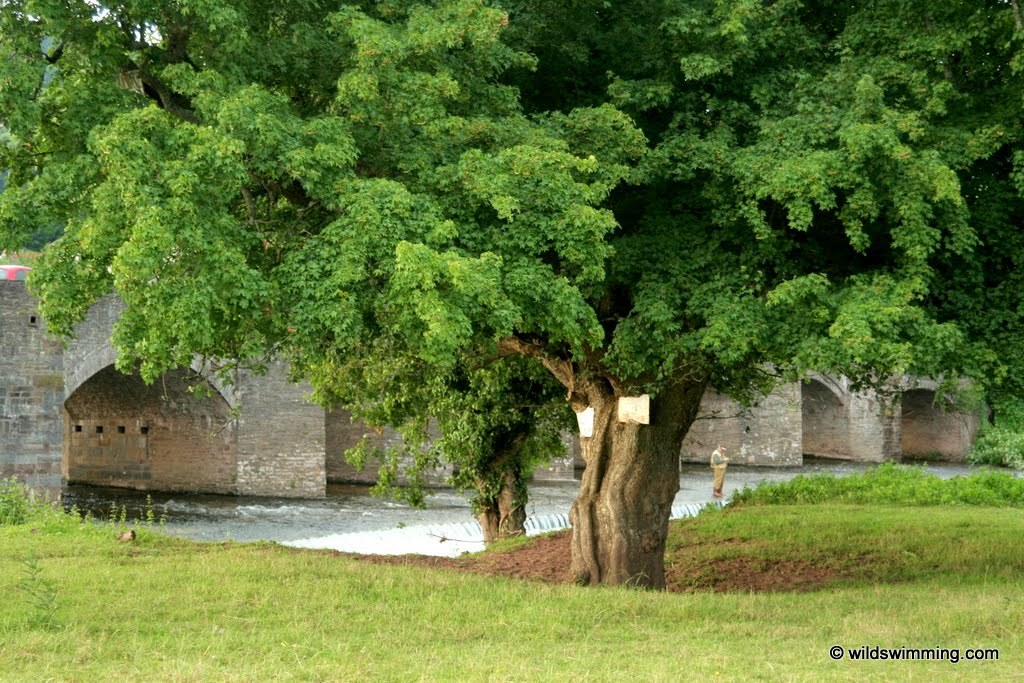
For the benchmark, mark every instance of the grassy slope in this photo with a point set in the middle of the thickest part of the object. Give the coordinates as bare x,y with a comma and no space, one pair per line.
164,609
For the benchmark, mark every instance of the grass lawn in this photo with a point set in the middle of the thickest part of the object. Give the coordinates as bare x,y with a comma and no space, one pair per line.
79,605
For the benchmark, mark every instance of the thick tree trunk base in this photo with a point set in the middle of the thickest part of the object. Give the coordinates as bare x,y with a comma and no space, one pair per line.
620,517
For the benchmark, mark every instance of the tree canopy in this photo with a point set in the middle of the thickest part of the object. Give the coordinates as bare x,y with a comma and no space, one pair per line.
639,197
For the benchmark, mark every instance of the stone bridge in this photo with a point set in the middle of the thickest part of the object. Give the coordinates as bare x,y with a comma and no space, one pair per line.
66,415
823,416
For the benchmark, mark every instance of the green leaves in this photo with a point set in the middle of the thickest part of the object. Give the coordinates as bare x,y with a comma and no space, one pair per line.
806,184
449,296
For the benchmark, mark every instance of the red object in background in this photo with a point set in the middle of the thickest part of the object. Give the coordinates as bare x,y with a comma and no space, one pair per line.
13,272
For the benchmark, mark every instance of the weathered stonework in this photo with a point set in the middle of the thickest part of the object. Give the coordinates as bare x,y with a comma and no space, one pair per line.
65,412
841,423
119,431
31,391
766,434
931,428
823,416
280,437
343,433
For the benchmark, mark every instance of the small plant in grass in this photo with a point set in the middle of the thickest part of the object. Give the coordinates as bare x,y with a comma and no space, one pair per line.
41,595
505,545
149,515
15,502
117,514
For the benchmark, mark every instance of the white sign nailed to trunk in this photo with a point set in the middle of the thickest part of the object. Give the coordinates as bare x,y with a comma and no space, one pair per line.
635,409
586,422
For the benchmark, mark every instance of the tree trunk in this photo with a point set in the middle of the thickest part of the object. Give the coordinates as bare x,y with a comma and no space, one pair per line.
505,516
620,517
501,488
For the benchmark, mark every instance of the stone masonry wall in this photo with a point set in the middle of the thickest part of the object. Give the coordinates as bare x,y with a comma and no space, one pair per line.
932,429
826,421
90,350
343,433
121,432
31,391
276,446
281,438
766,434
874,428
114,430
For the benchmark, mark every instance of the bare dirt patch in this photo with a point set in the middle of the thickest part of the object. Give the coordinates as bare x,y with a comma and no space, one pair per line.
747,574
547,558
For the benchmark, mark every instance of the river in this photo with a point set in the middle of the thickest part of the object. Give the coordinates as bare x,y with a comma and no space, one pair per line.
350,519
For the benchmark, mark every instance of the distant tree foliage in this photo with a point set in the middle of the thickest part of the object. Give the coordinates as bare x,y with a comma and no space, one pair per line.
648,197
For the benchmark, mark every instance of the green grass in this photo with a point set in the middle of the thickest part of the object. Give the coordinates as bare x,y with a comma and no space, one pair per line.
890,484
863,545
164,609
78,605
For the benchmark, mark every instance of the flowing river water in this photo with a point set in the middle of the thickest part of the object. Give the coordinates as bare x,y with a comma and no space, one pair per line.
352,520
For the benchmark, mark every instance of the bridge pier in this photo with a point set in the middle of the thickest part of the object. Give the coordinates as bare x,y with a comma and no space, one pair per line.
31,392
281,438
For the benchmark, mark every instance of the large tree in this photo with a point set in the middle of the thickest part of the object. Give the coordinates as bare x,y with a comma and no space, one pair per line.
640,197
256,181
829,187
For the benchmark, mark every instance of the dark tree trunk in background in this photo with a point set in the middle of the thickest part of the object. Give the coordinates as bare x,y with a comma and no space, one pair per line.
502,494
620,517
506,516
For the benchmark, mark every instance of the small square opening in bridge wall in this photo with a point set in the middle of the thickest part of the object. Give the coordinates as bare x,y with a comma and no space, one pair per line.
78,428
120,429
143,430
33,320
99,429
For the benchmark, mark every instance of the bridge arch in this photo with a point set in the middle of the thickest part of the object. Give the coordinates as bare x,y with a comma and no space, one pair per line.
932,427
825,420
104,355
98,357
119,431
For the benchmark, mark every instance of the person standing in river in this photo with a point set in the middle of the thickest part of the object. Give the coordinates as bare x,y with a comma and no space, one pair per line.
719,462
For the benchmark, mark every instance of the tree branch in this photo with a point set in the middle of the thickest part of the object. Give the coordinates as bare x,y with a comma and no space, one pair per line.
560,368
167,99
142,81
52,57
250,205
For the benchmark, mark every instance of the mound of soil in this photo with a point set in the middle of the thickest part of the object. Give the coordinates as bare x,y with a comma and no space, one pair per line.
547,558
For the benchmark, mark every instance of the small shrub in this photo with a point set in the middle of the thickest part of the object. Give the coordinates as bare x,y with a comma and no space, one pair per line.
41,595
15,502
1002,442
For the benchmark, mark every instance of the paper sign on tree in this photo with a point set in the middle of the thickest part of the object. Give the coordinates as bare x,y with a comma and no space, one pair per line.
586,422
635,409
